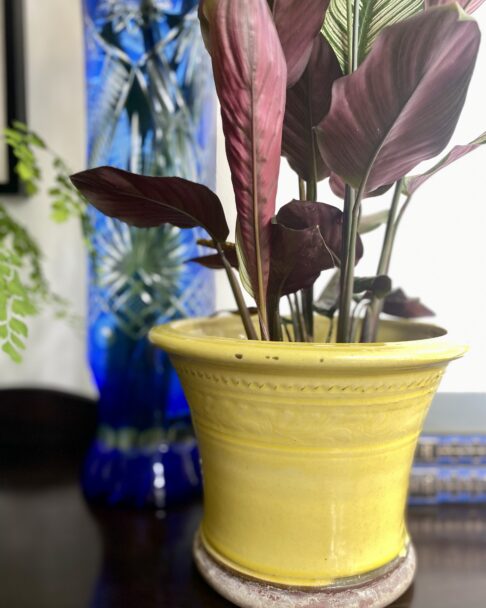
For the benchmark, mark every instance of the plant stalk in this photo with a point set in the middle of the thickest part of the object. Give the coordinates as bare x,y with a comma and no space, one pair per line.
370,323
301,189
352,204
300,319
238,295
352,200
295,321
308,294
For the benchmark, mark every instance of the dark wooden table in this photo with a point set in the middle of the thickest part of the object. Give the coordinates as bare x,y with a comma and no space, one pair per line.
58,552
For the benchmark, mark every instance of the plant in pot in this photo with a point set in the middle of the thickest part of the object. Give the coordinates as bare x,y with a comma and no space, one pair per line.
307,417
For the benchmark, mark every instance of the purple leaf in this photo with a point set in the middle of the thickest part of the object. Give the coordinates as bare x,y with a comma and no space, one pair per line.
317,250
306,239
337,186
379,286
303,214
150,201
308,101
298,23
413,182
468,5
250,74
398,304
213,261
402,104
299,255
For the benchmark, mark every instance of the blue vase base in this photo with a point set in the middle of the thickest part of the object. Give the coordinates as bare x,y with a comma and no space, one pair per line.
154,476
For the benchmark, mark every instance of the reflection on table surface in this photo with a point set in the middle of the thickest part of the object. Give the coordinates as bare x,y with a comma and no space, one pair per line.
58,552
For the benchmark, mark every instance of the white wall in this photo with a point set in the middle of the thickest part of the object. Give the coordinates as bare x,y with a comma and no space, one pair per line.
439,255
55,108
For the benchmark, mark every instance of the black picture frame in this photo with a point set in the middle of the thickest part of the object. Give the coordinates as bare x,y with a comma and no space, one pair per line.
13,82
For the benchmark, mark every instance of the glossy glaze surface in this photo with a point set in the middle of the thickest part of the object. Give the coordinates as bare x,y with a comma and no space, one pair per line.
306,448
57,552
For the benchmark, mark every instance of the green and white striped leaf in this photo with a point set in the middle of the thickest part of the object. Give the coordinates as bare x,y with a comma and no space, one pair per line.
335,30
374,16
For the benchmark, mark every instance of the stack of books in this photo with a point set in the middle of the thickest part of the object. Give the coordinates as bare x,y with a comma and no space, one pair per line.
450,461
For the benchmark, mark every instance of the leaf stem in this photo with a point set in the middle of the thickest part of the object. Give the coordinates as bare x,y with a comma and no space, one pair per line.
352,200
350,30
355,41
308,294
238,295
301,189
352,26
286,330
295,321
370,323
401,214
300,319
352,203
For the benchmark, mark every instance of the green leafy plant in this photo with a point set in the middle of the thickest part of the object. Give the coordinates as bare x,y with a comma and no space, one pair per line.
22,284
24,289
66,202
358,92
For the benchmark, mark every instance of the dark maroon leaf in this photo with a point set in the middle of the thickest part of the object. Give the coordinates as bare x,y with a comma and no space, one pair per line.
250,74
412,182
228,248
302,214
468,5
308,101
299,251
214,260
306,239
298,23
300,257
398,304
379,286
337,186
150,201
402,104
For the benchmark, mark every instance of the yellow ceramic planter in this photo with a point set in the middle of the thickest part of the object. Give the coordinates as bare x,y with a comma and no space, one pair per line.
306,453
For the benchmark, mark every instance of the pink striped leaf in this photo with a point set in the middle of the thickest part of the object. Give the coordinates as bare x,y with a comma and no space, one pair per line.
298,23
412,182
250,75
401,105
468,5
308,101
337,187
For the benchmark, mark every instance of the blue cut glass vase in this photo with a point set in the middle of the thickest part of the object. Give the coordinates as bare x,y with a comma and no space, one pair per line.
151,110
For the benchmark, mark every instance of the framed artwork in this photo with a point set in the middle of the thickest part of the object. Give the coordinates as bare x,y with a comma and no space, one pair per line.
12,85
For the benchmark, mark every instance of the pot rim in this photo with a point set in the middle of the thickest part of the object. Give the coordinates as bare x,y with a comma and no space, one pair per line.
185,338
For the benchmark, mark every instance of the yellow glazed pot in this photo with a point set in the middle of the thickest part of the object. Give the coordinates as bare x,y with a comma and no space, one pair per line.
306,452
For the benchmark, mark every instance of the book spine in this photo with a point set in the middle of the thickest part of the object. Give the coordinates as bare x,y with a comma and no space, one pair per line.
447,484
451,450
